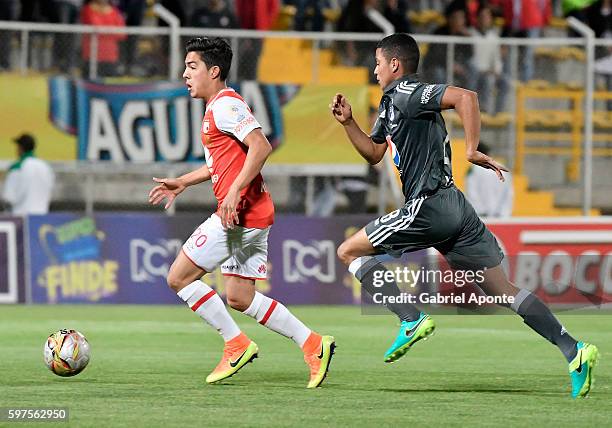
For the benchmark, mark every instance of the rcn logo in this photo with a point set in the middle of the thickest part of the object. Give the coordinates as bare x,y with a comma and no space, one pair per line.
315,260
152,261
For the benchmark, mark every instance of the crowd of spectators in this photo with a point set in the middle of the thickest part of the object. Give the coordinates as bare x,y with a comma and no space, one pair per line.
479,66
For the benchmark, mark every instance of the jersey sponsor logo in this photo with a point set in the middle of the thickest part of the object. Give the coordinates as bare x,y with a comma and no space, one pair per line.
313,260
426,95
230,267
394,152
243,124
151,260
205,126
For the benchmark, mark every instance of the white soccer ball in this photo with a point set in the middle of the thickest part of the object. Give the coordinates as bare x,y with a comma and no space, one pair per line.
66,352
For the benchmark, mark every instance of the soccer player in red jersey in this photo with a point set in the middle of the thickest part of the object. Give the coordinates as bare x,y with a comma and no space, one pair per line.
235,237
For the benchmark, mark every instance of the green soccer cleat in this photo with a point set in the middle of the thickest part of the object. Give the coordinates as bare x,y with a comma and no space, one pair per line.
410,333
581,369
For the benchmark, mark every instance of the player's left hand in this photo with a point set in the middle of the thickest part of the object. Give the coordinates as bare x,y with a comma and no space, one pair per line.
228,209
484,161
168,188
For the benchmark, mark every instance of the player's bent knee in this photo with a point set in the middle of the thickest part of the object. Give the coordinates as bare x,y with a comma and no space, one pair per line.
344,253
175,282
239,303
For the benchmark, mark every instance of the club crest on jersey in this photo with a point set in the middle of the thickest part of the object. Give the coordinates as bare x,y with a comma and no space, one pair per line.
205,126
394,153
391,112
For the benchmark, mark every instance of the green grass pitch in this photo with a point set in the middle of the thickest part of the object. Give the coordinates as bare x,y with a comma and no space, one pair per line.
149,363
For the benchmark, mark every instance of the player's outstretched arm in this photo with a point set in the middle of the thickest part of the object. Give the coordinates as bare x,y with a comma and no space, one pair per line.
342,112
465,103
170,188
259,149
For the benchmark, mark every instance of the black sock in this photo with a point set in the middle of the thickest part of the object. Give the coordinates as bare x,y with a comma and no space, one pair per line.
539,317
366,272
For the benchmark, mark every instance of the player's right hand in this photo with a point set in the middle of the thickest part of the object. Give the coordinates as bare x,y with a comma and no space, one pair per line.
341,109
487,162
168,188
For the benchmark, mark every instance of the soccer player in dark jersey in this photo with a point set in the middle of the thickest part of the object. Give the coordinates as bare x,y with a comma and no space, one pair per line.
436,214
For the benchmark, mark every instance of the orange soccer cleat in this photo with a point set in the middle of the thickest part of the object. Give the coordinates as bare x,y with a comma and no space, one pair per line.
318,352
237,353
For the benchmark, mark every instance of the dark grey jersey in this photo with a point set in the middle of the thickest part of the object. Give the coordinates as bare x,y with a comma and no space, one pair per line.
409,120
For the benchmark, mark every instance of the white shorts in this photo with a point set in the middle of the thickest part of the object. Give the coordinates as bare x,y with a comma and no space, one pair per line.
241,251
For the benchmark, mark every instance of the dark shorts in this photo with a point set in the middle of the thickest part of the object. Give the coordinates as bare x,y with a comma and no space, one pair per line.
445,221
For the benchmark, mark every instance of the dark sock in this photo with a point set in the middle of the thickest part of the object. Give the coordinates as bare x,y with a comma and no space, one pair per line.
365,274
539,317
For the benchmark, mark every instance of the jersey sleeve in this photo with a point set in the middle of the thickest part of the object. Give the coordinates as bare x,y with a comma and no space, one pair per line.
427,98
233,116
378,134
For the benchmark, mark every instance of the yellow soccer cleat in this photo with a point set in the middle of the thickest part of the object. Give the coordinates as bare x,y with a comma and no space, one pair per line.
237,353
319,360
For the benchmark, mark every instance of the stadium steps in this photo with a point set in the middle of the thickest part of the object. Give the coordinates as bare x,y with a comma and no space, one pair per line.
296,66
527,203
426,18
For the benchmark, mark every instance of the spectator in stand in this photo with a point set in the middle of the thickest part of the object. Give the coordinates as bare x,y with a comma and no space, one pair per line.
102,13
175,7
434,63
308,12
354,19
526,18
599,18
396,12
253,15
133,11
489,196
217,14
38,11
487,63
577,9
471,8
65,12
8,12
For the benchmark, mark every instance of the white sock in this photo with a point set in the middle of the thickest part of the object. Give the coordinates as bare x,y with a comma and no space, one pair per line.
205,302
276,317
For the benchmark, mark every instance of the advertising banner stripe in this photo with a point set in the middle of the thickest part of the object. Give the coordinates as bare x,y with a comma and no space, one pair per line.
566,237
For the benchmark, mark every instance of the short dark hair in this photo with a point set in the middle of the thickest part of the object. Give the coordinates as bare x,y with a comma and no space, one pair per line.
213,51
26,142
403,47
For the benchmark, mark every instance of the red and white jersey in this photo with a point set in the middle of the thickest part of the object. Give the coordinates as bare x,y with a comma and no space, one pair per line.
227,122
